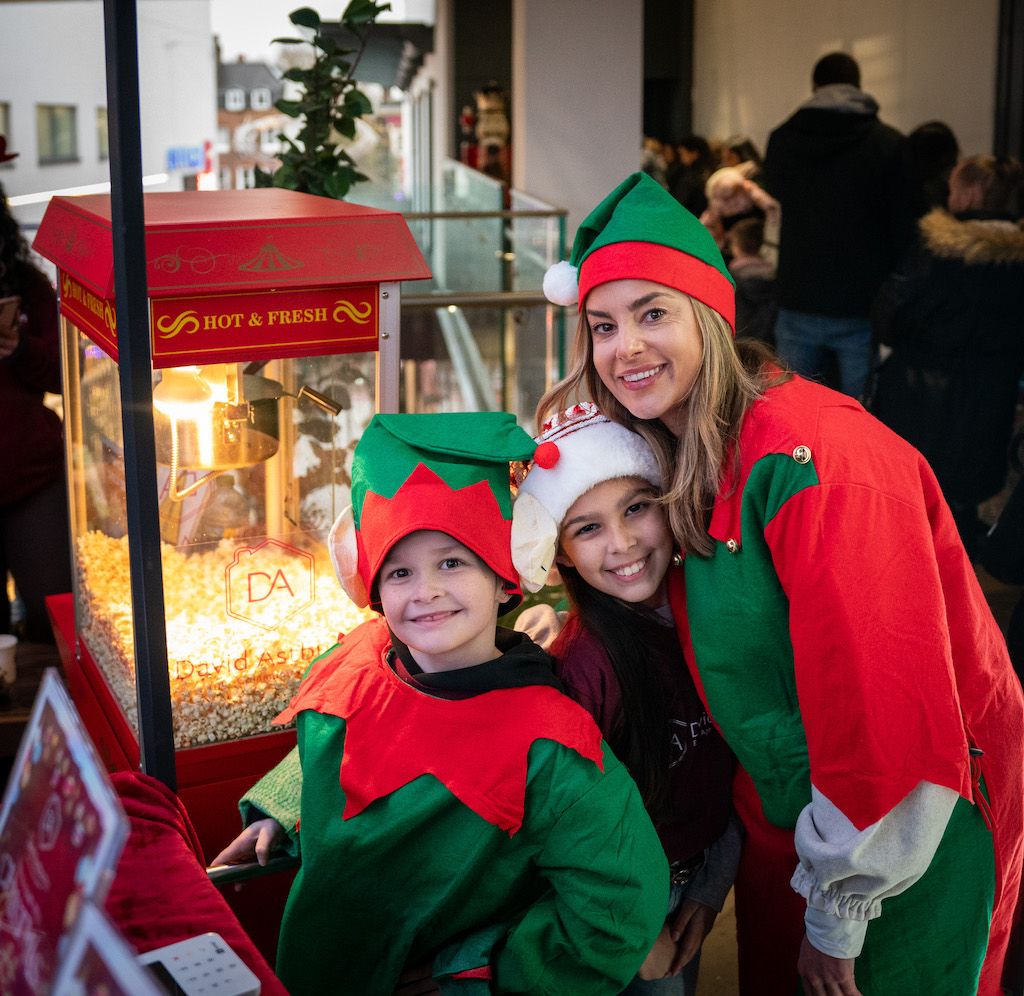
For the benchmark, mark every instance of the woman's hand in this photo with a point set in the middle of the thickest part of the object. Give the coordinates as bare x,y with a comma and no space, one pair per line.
690,924
257,840
824,975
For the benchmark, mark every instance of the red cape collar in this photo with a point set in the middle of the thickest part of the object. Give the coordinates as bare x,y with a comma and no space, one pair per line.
477,747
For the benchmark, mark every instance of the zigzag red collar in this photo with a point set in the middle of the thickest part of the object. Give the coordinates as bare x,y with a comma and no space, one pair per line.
477,747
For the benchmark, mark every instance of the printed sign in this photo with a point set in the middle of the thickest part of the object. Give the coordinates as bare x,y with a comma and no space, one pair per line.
186,157
100,962
219,329
61,832
93,314
267,584
224,328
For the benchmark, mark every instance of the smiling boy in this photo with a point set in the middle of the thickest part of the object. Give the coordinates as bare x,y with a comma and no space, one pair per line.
442,599
456,808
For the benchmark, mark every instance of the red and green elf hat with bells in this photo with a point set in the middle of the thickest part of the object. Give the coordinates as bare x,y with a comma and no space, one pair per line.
445,472
641,232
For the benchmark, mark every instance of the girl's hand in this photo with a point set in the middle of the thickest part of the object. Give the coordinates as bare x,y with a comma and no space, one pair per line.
657,964
690,924
417,981
824,975
257,840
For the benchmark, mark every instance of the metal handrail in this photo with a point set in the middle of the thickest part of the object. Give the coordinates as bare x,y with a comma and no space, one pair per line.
221,875
473,299
468,215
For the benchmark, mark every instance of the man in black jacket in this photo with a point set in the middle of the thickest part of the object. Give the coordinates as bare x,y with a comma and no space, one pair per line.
840,175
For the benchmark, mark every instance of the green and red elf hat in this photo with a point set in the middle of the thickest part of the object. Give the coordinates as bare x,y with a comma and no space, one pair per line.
445,472
641,232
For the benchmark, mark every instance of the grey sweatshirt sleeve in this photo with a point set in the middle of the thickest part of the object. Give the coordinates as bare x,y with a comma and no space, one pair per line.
845,873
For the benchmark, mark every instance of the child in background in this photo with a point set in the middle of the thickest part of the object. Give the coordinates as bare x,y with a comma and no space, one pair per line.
590,504
456,808
732,197
756,299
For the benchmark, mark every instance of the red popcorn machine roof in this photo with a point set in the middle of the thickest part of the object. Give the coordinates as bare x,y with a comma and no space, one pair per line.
213,242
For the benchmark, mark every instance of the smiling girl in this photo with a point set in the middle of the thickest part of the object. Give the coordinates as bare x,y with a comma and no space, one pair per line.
590,503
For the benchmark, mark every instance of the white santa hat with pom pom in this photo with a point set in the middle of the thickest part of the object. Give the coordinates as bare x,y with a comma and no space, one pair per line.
577,450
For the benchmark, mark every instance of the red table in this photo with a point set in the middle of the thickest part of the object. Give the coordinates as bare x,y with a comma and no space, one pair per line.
161,893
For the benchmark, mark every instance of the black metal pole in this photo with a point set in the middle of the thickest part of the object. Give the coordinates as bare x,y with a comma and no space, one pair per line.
1008,137
156,735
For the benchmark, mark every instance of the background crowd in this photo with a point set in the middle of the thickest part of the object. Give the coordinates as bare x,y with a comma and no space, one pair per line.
888,266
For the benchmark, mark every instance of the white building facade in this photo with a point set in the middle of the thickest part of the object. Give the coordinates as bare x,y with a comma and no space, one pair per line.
53,97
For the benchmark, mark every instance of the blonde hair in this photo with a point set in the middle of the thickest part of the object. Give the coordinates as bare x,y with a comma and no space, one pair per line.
732,376
998,179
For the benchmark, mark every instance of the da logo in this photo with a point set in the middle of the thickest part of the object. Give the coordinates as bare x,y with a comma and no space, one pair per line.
269,583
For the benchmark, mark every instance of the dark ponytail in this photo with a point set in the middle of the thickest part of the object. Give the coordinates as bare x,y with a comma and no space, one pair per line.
637,646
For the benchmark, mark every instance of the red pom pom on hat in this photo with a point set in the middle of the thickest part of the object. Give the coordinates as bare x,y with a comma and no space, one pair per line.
546,455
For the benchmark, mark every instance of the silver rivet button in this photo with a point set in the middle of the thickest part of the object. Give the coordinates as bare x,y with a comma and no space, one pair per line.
732,546
802,454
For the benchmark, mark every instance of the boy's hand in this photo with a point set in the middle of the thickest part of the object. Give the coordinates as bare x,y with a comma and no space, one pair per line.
690,924
257,840
659,962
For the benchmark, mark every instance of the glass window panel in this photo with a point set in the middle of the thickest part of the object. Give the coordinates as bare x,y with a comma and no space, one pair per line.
102,142
57,128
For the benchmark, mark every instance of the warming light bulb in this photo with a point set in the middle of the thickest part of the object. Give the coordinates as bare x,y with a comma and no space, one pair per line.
183,394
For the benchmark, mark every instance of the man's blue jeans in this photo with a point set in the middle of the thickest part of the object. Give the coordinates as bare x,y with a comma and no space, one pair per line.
804,341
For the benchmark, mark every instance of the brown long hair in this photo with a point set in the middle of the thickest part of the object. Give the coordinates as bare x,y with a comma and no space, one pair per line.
733,374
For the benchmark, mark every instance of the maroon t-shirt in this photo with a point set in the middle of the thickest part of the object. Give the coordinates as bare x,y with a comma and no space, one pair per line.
700,778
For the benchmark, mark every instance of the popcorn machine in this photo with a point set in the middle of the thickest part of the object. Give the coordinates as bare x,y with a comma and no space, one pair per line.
274,329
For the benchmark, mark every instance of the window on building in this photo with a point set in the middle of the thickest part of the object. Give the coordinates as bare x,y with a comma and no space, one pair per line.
5,127
102,139
57,133
234,99
259,98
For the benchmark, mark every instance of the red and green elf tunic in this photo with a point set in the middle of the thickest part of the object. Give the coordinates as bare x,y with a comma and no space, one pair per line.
493,833
841,642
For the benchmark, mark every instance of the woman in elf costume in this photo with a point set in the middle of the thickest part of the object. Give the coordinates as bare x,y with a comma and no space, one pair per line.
831,620
457,810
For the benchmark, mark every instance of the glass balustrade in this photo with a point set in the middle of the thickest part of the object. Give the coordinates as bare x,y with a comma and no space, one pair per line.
480,336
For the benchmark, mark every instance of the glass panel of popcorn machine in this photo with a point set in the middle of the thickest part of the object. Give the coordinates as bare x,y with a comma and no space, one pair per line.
252,469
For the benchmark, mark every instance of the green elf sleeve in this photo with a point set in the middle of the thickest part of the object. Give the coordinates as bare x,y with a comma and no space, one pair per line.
278,795
608,893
